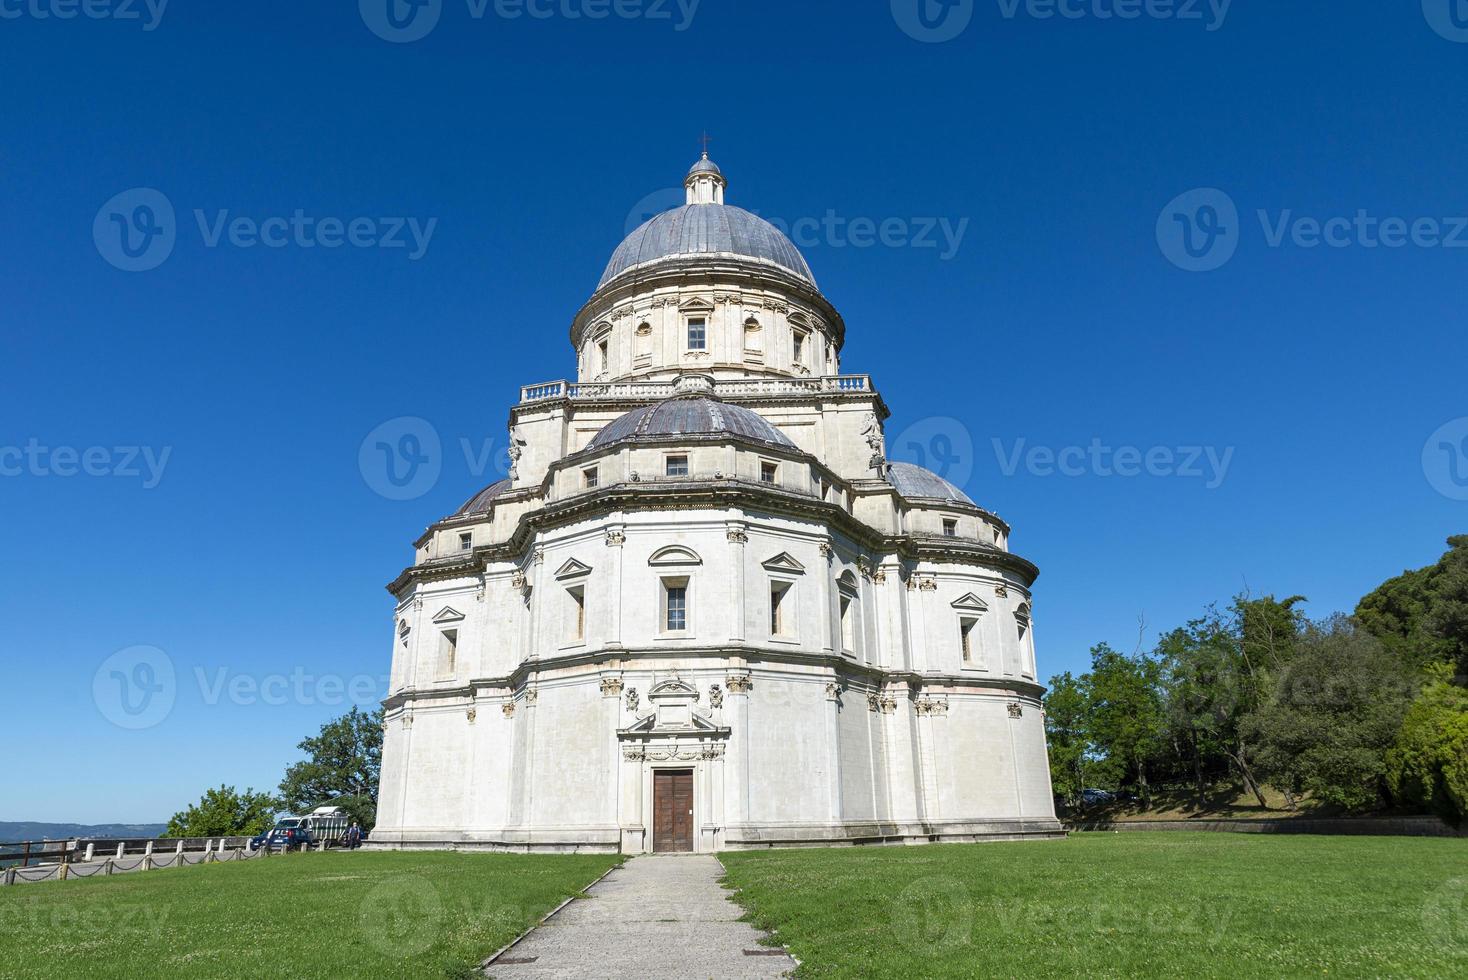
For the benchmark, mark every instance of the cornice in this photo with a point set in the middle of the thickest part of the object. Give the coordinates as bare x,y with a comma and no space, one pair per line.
719,494
747,656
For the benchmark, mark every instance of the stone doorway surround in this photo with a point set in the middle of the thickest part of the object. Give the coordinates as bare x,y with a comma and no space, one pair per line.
673,736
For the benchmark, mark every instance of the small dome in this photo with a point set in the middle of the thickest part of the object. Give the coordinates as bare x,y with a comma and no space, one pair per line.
916,483
695,417
705,166
707,229
481,501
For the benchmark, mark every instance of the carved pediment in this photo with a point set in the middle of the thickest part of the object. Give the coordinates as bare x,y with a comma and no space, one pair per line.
784,563
675,555
971,603
697,304
573,569
672,689
448,614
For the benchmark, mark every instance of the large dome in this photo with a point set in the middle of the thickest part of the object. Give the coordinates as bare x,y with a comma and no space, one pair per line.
707,229
691,417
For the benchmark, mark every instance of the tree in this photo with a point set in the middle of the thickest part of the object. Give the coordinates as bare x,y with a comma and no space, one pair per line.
345,761
1332,716
1066,711
1126,721
1424,613
1200,679
223,812
1428,766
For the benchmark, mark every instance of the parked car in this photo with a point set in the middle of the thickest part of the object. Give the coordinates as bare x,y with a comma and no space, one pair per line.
1096,797
290,833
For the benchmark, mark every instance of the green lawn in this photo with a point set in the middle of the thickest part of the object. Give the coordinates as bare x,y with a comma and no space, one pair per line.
1124,905
303,915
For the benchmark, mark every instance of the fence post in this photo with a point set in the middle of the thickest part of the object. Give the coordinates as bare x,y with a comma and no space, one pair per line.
91,849
148,857
64,870
178,861
107,866
121,849
9,876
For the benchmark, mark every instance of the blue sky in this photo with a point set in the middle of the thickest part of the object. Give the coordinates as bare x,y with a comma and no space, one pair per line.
1057,318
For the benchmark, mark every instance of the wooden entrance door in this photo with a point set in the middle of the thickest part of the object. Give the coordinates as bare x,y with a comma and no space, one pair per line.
672,810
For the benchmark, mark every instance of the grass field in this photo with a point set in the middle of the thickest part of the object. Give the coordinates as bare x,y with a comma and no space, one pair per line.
306,916
1124,905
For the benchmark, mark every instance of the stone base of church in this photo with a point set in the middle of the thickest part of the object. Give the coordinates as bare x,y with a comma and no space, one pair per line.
550,840
625,840
756,836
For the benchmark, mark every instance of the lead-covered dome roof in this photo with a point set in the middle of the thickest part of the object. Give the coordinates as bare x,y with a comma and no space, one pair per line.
916,483
696,417
707,229
481,502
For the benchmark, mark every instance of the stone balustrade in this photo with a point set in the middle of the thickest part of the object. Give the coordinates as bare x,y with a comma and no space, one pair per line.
723,387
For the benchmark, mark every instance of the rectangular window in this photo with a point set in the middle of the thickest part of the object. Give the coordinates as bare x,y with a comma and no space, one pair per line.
966,638
767,472
780,624
848,624
677,466
675,606
798,354
698,334
448,654
466,541
591,478
950,527
578,612
604,350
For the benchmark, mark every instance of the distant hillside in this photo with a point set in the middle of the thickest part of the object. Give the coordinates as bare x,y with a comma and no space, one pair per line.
10,832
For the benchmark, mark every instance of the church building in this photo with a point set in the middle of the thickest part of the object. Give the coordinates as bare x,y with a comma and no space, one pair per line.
705,612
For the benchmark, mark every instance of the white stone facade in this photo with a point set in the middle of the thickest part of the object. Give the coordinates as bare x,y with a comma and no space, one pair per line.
836,650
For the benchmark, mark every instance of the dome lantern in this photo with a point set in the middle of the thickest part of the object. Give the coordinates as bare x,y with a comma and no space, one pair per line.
705,182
